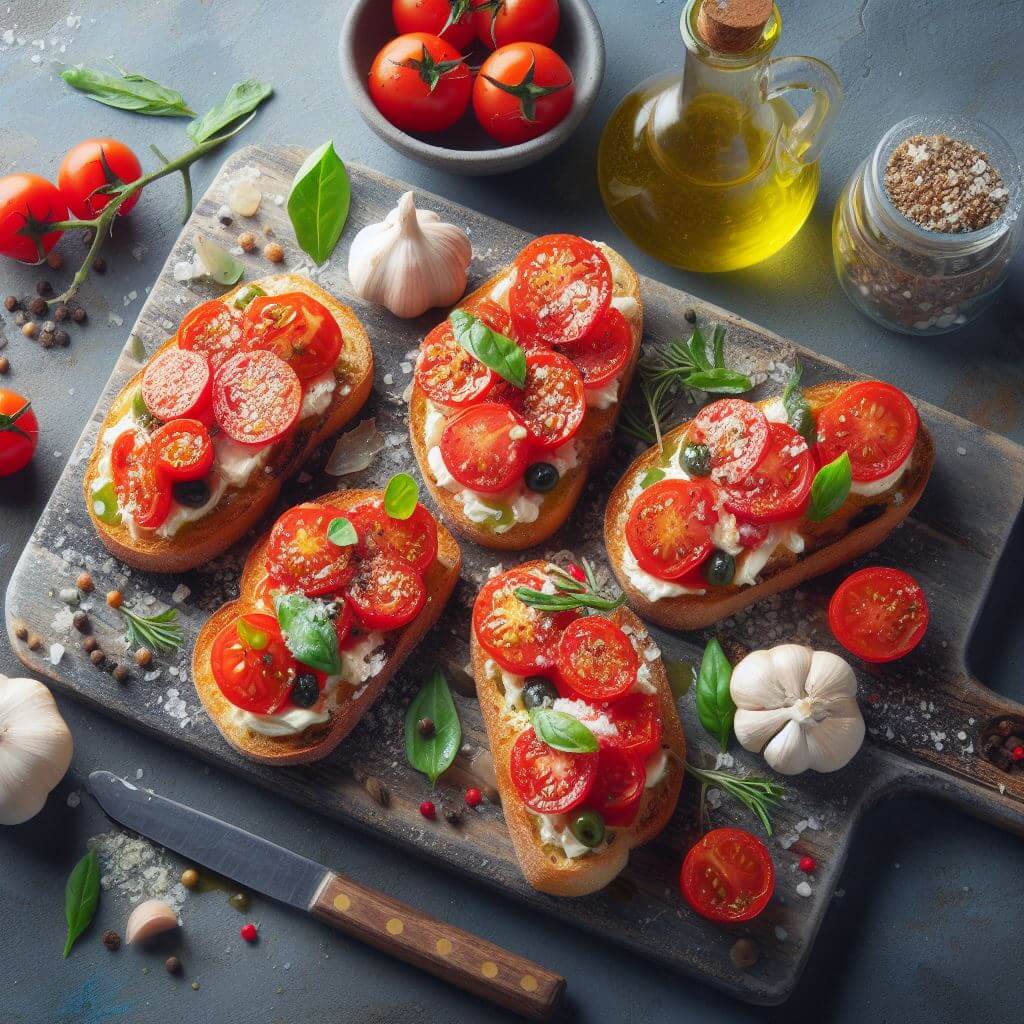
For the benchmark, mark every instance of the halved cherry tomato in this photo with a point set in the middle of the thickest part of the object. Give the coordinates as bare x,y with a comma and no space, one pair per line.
252,665
454,17
563,287
297,329
482,448
500,22
875,422
554,401
496,317
386,592
550,781
256,397
183,449
602,354
596,659
91,166
28,203
213,329
619,786
779,486
143,491
737,434
728,876
879,614
300,555
669,527
637,717
19,432
413,540
448,374
178,384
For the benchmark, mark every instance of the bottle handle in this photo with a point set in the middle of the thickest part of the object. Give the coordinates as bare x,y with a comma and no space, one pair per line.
807,137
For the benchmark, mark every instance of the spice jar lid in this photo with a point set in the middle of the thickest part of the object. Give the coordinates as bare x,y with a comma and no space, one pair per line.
732,26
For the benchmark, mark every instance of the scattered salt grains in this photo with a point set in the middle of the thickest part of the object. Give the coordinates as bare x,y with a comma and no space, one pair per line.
780,933
56,653
114,319
136,870
181,593
723,760
714,798
74,798
804,889
961,450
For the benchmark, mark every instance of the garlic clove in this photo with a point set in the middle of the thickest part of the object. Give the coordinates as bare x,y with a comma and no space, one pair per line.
755,728
830,677
149,919
833,743
788,753
791,663
754,684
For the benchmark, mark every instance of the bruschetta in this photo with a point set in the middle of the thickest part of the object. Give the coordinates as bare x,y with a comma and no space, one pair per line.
331,602
505,461
586,741
721,514
196,446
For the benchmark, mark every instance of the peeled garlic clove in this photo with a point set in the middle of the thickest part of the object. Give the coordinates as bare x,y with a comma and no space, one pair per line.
149,919
244,199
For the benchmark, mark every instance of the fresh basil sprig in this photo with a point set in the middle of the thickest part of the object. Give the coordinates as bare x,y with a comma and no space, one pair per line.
342,533
309,632
401,496
318,202
562,731
831,488
715,707
81,895
570,593
494,350
433,750
798,409
130,91
243,98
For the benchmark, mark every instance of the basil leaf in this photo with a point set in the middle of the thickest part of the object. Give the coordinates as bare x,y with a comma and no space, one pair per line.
318,202
494,350
798,409
401,495
309,632
129,92
718,340
715,708
433,754
81,894
340,531
562,732
831,488
698,349
652,476
243,98
719,381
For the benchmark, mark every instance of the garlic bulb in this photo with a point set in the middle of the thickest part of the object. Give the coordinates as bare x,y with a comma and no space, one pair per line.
35,748
799,706
411,261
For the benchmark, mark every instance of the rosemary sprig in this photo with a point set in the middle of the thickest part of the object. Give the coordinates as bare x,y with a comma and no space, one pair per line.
160,633
757,794
570,593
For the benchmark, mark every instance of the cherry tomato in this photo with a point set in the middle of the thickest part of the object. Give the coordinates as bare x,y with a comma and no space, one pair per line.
878,614
213,329
143,490
178,383
300,555
596,659
563,287
386,593
413,540
420,83
484,447
619,786
669,527
500,22
297,329
779,486
452,20
554,401
256,397
19,432
448,374
91,167
637,717
252,665
183,449
875,422
550,781
29,203
728,876
603,353
737,434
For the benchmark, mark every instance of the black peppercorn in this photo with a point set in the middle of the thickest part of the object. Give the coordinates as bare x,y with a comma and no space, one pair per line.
44,288
79,315
173,965
452,816
121,673
112,940
37,307
89,644
99,265
61,313
690,316
11,303
80,621
62,338
97,657
306,691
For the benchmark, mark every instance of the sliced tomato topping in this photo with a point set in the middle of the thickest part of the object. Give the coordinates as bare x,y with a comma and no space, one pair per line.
178,383
213,329
563,287
879,614
669,527
297,329
603,353
554,401
386,592
596,659
300,555
256,397
183,449
737,434
875,422
728,876
251,664
637,717
753,535
779,486
143,490
496,317
448,374
413,540
550,781
485,448
619,786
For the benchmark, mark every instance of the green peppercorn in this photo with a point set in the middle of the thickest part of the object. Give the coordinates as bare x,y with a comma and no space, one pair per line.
720,568
696,459
588,828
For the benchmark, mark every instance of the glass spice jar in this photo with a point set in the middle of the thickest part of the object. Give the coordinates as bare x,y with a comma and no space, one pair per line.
909,278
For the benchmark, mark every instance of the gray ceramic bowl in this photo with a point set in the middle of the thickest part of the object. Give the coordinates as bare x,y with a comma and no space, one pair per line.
465,148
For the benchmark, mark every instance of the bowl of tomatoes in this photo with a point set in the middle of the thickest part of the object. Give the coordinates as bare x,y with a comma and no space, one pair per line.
472,86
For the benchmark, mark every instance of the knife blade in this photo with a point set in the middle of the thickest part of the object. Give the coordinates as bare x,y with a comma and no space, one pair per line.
366,914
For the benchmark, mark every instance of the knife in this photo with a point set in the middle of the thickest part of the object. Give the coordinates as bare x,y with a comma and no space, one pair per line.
372,917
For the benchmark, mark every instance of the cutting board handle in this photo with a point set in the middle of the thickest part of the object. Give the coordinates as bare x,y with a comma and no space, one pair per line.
446,952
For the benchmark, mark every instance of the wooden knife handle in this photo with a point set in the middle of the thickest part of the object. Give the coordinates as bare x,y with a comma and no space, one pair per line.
446,952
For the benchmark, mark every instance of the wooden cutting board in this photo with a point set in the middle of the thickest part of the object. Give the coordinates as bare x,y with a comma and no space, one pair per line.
927,717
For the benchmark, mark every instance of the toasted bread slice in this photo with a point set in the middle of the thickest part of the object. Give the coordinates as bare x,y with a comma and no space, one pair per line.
860,525
592,440
546,867
319,740
241,508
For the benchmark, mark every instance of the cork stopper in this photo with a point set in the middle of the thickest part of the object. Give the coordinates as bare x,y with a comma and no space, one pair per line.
732,26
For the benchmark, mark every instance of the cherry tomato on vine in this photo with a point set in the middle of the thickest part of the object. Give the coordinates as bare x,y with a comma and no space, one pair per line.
29,203
92,166
500,22
452,20
19,432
